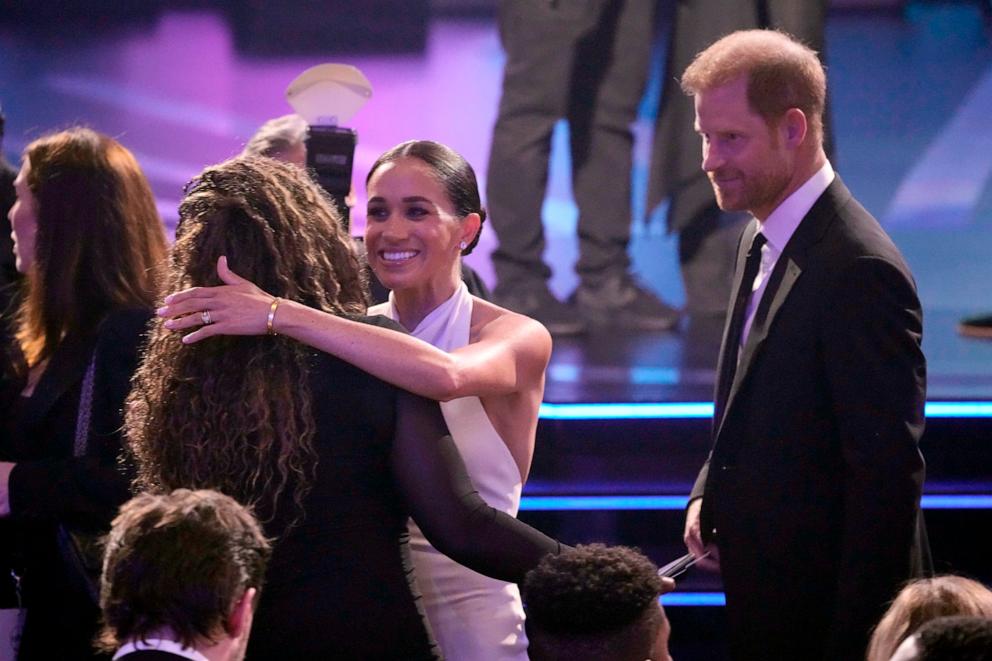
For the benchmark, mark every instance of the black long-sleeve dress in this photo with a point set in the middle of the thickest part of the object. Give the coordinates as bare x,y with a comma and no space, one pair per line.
340,582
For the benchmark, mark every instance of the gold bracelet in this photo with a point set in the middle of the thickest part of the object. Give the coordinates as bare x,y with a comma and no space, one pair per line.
270,320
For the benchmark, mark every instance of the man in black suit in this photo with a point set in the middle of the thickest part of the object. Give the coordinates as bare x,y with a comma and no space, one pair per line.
809,501
181,577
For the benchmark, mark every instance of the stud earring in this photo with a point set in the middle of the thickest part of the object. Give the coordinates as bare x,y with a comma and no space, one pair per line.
463,245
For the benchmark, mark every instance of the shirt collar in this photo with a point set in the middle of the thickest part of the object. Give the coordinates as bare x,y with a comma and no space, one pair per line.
161,645
780,225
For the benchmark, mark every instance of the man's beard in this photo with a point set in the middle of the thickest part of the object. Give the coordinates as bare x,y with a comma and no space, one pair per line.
748,192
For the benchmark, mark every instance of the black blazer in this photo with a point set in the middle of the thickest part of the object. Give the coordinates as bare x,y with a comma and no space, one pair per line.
49,486
812,488
49,483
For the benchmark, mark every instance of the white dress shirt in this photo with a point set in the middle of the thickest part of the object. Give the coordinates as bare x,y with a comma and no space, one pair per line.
778,228
161,645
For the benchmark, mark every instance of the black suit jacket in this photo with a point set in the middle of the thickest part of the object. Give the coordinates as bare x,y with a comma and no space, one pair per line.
812,489
49,486
149,655
49,483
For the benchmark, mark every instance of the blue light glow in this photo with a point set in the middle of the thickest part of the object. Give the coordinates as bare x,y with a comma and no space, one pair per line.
957,502
694,599
688,410
626,411
666,376
587,503
628,503
959,409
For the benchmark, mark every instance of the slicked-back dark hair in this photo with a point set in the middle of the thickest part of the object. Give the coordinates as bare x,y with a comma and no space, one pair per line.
593,602
452,171
179,561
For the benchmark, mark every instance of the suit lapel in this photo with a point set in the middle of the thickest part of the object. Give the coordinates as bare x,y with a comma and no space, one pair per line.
65,368
780,284
722,387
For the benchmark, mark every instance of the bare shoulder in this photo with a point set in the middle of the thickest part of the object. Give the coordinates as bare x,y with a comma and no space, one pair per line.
490,321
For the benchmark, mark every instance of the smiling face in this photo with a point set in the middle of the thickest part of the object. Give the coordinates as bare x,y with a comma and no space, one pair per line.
746,159
24,221
413,234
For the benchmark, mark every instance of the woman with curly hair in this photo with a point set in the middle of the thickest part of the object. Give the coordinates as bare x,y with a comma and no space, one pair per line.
90,244
484,362
333,459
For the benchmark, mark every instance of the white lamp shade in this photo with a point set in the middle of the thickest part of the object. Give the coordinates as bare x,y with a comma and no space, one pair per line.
329,94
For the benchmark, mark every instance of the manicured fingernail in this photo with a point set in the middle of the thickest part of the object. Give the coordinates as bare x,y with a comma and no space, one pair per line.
168,299
169,323
162,311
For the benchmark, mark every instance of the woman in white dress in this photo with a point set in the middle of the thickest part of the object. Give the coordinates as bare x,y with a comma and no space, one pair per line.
484,363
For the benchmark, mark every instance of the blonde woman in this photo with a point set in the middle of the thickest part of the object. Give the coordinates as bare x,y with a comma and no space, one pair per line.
924,600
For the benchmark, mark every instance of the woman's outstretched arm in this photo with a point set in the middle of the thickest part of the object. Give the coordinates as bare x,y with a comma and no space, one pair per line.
445,504
509,355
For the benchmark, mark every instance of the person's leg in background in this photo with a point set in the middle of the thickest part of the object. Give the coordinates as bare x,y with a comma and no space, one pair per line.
540,40
609,78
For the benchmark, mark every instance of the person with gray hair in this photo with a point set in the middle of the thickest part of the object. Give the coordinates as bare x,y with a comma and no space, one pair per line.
282,138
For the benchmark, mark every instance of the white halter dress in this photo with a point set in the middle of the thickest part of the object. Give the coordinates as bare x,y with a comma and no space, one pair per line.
473,617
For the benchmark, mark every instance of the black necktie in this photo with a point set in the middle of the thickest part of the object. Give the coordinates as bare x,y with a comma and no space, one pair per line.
728,365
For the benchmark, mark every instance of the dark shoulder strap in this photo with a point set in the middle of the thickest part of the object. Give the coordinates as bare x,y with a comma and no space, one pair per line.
80,443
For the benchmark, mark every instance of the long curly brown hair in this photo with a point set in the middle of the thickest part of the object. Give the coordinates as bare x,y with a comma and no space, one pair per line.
234,413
